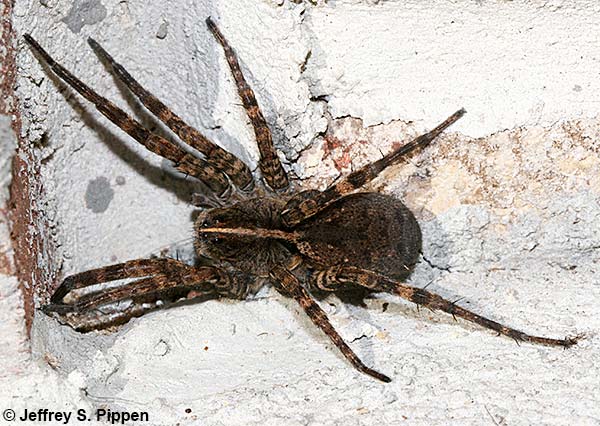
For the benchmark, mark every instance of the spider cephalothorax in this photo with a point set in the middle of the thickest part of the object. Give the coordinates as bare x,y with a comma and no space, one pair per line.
248,235
331,240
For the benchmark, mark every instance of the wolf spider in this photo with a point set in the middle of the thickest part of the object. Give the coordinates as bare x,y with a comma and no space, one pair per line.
253,234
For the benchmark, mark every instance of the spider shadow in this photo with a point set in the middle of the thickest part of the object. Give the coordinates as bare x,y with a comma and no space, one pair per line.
354,301
268,108
152,123
437,259
180,185
433,264
125,322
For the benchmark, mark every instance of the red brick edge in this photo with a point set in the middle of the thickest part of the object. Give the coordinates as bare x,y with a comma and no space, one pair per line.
24,190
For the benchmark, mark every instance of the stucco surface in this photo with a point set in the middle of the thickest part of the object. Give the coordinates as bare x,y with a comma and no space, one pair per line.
508,201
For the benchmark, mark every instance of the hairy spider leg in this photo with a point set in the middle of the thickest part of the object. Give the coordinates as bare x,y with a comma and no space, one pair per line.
201,280
138,268
184,161
269,162
289,285
299,209
236,169
137,305
99,319
173,281
334,278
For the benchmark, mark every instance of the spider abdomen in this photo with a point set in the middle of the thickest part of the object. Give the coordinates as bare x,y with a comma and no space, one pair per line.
366,230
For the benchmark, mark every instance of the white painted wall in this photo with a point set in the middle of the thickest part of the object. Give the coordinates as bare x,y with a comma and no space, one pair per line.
510,219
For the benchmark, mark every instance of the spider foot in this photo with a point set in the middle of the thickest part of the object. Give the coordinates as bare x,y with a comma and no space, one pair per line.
59,308
375,374
566,343
572,341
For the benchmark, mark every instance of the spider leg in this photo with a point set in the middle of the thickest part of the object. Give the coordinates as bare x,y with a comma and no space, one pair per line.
184,161
238,172
338,276
269,163
140,304
299,209
138,268
165,280
200,280
289,285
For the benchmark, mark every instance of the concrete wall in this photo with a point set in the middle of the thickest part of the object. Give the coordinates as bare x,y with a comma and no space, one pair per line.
508,200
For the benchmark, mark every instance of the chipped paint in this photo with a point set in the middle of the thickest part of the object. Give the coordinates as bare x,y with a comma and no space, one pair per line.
510,255
84,12
98,194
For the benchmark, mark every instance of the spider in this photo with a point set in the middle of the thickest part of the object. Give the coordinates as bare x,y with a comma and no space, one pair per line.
254,234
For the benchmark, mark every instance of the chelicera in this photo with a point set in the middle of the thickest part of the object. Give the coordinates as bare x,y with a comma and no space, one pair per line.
252,234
